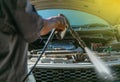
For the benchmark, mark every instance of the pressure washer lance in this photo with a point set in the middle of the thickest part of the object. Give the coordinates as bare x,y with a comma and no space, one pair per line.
43,50
102,69
74,34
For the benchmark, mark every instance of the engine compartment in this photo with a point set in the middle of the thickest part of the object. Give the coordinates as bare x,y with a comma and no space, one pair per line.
69,51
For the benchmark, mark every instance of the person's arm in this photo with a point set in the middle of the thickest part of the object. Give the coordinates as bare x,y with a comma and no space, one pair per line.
31,25
28,22
49,23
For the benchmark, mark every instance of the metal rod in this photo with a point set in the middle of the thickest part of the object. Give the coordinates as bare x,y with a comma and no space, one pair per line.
43,50
74,34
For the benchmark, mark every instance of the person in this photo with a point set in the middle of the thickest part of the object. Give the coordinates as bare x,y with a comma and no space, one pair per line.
19,25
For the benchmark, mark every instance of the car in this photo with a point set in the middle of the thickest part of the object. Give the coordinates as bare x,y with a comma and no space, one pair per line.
96,23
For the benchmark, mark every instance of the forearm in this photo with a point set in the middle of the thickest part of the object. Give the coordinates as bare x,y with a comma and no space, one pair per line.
47,27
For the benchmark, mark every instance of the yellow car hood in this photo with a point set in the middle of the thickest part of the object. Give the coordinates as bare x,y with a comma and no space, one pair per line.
105,9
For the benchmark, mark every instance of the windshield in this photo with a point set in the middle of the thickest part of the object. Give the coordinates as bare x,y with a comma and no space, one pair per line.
76,18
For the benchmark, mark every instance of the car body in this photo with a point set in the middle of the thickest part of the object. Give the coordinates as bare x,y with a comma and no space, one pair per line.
97,24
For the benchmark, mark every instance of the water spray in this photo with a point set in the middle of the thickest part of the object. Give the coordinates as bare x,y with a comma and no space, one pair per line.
102,69
100,66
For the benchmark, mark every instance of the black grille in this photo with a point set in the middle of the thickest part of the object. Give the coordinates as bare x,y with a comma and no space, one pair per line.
116,73
71,75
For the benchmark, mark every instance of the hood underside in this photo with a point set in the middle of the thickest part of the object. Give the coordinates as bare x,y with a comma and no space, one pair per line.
105,9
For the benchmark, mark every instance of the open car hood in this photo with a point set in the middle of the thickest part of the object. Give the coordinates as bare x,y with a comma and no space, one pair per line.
105,9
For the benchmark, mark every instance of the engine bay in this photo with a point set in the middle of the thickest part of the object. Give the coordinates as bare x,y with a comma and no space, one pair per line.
68,51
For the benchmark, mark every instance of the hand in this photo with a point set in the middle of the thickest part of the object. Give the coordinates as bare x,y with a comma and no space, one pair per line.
57,22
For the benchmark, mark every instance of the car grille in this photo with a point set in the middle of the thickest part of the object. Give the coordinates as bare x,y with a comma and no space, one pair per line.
72,75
